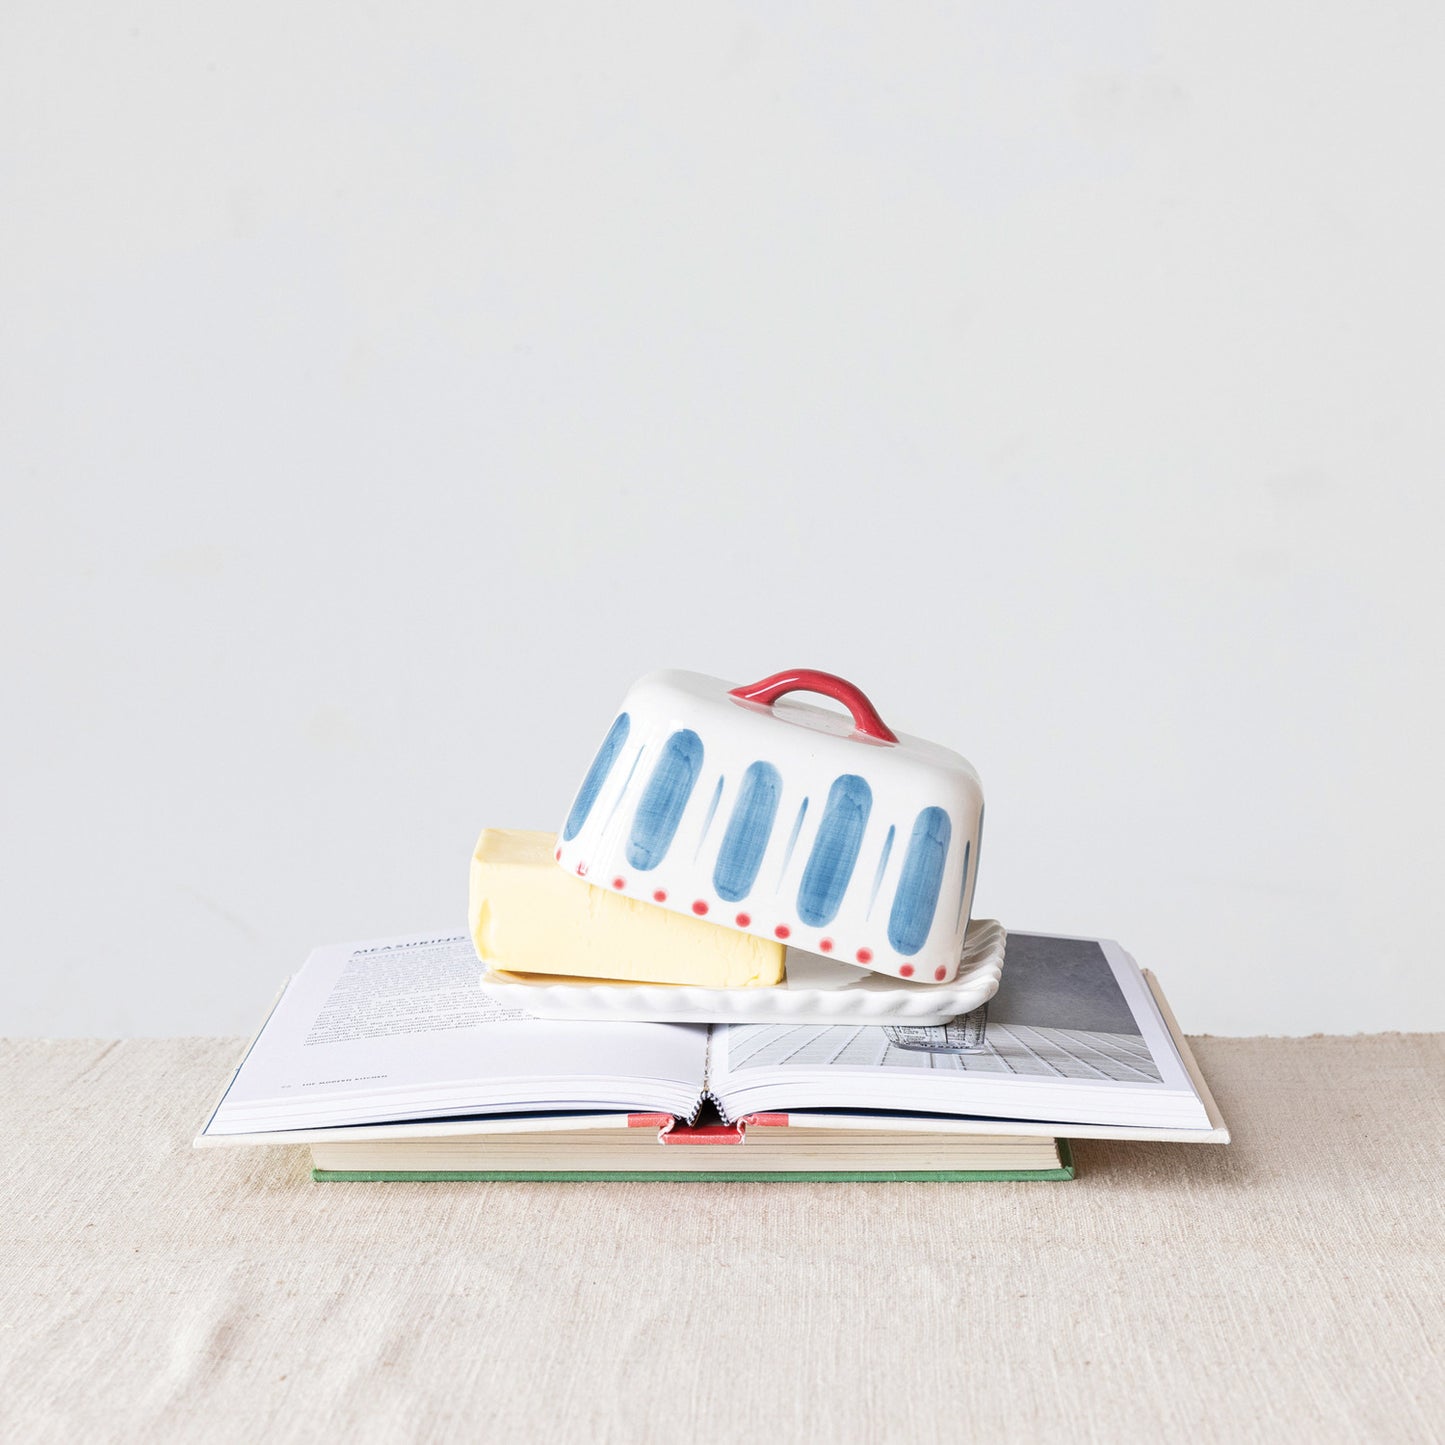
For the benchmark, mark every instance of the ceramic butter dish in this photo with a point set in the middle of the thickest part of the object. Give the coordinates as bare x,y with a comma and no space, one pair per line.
746,807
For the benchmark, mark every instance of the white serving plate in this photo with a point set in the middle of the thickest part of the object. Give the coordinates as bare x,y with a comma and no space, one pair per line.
818,990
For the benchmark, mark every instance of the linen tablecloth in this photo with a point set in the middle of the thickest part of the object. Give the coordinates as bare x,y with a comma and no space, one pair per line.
1286,1286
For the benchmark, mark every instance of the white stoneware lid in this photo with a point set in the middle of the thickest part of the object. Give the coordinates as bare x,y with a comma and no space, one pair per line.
758,812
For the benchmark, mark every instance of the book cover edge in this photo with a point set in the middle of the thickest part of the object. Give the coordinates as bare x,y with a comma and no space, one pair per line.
638,1176
1219,1130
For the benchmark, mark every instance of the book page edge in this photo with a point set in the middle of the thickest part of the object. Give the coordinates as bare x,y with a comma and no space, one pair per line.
1218,1129
203,1140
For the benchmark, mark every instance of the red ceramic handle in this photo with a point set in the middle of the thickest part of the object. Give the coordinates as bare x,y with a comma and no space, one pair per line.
806,679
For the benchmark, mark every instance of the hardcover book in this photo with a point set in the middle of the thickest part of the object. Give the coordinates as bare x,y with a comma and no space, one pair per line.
389,1061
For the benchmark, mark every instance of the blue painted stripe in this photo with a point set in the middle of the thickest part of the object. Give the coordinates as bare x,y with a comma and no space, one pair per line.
918,884
749,829
835,850
882,869
792,841
711,814
962,887
596,776
625,790
663,800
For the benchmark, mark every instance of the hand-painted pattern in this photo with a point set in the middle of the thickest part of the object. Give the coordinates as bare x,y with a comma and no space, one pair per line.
717,793
916,896
835,850
963,885
748,832
821,894
596,776
664,799
881,869
793,840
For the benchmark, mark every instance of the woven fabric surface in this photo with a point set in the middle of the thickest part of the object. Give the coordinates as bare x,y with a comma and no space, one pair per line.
1288,1286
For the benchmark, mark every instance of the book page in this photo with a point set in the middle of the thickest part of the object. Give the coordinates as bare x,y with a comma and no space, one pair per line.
1073,1034
400,1028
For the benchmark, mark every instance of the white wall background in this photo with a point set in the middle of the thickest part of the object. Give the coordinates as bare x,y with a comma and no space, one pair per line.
385,387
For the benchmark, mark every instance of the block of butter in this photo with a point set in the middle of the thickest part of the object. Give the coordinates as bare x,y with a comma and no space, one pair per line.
528,916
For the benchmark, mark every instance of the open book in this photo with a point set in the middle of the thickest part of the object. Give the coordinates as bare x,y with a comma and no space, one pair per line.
378,1034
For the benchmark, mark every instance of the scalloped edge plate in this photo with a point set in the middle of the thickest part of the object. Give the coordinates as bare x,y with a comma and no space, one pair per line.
817,990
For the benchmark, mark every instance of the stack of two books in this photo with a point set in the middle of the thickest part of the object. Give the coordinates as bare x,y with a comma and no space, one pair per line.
390,1062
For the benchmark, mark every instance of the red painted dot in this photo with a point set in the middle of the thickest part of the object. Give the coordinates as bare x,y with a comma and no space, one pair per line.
660,896
825,945
581,870
558,855
940,973
743,919
699,908
619,883
782,930
865,955
906,970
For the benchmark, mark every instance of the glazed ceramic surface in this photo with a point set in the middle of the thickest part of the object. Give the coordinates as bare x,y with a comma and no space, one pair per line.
818,990
758,812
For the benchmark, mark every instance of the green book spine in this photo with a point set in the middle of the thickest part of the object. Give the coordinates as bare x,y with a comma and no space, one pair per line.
761,1176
